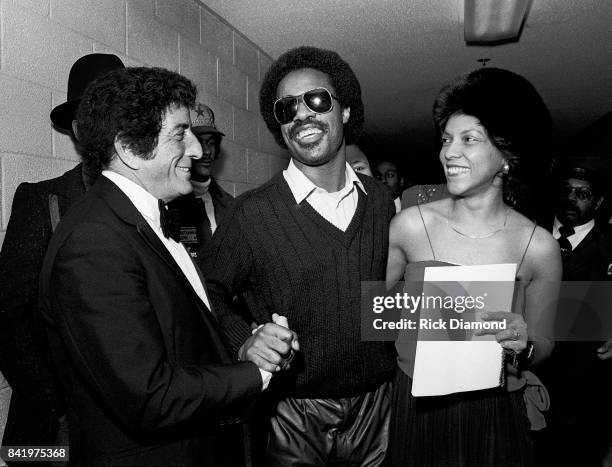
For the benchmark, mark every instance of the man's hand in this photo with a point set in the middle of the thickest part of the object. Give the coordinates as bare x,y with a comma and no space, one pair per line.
605,351
271,345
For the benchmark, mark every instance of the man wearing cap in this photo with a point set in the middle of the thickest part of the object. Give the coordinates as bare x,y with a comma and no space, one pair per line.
579,372
199,214
37,399
584,240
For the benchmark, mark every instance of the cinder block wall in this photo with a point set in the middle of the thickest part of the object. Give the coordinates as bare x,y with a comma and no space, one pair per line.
41,39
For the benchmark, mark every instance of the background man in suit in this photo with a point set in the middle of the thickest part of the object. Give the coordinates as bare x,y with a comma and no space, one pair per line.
37,400
584,239
577,374
148,375
199,214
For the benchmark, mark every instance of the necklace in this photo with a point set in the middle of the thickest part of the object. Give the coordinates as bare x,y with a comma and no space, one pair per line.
478,237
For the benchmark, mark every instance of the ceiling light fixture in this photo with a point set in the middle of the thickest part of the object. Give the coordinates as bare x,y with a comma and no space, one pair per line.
494,20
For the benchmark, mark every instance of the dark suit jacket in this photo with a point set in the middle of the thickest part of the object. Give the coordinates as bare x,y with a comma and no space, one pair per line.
190,216
37,400
147,371
591,259
577,380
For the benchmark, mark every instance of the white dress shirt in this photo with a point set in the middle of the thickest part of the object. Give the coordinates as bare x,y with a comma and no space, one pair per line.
336,207
580,231
398,204
147,205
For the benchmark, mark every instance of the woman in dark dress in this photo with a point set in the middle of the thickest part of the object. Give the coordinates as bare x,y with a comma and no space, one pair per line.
494,131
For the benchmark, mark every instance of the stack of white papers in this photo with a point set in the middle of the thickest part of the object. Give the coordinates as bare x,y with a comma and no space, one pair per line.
451,366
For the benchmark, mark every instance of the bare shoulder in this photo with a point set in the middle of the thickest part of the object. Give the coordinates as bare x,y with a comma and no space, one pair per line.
542,254
411,221
542,241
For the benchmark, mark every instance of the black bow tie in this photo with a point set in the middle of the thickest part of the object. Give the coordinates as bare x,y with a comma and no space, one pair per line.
168,221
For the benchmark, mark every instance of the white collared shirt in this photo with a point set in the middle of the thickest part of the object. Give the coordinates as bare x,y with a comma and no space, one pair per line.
337,207
398,204
580,231
202,190
147,205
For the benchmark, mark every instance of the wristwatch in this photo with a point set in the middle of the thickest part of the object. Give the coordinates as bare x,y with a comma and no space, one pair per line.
522,360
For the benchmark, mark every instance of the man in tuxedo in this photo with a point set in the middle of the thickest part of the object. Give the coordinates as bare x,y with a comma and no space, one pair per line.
198,214
37,406
149,377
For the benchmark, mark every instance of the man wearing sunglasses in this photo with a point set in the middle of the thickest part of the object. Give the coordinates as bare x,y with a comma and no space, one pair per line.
301,245
582,238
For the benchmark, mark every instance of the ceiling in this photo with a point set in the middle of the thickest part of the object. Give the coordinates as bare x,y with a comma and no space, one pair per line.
404,51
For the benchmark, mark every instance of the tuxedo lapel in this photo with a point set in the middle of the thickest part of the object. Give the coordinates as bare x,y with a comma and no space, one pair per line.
153,241
121,205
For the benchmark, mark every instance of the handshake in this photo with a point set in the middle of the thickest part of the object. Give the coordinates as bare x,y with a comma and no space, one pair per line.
271,346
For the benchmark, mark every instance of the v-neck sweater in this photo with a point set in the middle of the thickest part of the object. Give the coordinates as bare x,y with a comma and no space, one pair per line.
282,257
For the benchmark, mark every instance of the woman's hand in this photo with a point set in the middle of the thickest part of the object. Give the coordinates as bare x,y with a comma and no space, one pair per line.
514,336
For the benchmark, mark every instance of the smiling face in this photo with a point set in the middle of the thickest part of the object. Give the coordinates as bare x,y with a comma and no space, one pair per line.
471,161
167,174
313,139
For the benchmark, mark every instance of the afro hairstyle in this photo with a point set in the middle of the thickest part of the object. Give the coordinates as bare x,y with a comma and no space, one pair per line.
514,116
344,81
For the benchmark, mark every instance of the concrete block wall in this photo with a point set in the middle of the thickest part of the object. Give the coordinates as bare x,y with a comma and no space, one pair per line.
41,39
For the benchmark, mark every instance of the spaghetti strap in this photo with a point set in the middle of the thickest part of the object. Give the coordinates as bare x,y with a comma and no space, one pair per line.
526,248
426,232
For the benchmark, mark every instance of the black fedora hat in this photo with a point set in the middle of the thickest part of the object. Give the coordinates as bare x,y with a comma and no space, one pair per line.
84,71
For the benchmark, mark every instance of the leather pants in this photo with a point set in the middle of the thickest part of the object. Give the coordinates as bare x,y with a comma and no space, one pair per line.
351,431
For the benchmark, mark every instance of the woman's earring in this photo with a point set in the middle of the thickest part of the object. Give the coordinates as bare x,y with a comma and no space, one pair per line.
506,168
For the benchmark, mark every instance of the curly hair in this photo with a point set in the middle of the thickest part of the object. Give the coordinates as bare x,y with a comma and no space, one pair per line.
129,104
344,81
514,117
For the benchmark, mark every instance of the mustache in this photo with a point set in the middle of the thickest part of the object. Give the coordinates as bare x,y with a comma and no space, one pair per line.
568,206
310,121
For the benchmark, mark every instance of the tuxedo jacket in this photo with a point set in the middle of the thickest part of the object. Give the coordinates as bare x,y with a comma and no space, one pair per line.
37,399
148,374
190,216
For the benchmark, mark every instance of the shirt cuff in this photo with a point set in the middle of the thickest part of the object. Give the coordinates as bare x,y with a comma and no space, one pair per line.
266,376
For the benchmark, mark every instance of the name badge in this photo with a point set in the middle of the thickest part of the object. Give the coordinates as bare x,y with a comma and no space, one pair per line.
188,235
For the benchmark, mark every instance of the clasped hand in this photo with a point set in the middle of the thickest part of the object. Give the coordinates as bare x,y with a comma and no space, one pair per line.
271,346
514,335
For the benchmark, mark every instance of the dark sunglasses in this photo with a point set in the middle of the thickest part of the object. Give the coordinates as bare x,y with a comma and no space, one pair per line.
318,100
583,194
